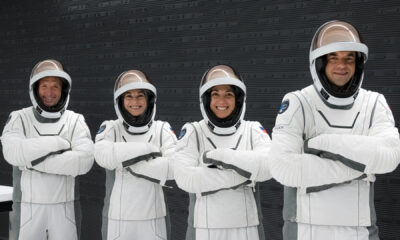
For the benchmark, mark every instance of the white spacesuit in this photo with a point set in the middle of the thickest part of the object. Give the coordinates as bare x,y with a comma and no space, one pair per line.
135,151
48,147
223,200
329,140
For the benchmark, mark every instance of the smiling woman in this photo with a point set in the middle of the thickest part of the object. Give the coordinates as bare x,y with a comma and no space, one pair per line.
135,101
218,162
222,100
135,150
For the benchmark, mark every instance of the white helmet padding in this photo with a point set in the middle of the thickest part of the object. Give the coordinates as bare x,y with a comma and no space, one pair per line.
222,75
130,80
335,36
49,68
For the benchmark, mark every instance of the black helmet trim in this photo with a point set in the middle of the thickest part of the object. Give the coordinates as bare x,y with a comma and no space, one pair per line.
140,124
56,111
240,95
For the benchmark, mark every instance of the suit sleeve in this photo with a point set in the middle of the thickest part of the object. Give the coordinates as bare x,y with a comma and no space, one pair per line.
194,177
27,152
117,155
76,161
159,169
376,153
252,164
288,163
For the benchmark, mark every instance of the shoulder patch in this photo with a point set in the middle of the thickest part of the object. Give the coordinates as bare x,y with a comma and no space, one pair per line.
182,133
172,130
263,130
284,106
101,129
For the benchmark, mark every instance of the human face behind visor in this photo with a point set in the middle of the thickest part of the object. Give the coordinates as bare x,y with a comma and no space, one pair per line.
340,67
222,100
337,58
44,87
135,102
49,90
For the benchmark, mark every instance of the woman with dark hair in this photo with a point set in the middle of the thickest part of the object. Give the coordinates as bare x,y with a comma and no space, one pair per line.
224,201
135,150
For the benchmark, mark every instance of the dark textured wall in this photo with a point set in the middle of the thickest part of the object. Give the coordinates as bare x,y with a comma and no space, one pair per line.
174,42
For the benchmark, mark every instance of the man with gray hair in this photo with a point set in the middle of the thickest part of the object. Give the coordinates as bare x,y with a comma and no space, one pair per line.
48,146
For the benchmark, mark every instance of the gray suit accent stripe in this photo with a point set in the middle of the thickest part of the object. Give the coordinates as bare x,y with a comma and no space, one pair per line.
289,230
23,125
17,193
260,227
289,213
289,204
191,231
197,137
212,143
161,134
110,180
373,112
302,110
234,187
372,203
15,215
373,232
41,159
167,217
240,171
143,176
15,221
78,217
77,207
141,158
337,126
57,134
327,186
335,157
73,130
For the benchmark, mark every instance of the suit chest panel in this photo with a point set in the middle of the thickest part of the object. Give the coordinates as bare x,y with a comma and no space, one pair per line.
240,140
342,121
150,136
63,127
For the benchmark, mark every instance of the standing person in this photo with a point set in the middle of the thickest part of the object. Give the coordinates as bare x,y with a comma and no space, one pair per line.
224,203
48,147
135,150
329,140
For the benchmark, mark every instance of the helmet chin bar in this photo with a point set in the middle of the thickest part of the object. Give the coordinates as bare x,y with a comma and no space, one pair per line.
133,129
137,130
50,115
220,130
328,98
